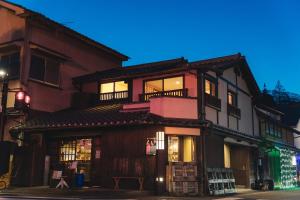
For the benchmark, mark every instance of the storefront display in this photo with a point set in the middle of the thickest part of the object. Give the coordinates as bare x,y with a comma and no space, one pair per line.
76,154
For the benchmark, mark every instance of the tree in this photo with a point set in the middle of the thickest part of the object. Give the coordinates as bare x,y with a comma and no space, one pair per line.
279,94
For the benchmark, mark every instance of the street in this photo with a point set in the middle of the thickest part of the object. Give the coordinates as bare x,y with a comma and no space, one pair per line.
269,195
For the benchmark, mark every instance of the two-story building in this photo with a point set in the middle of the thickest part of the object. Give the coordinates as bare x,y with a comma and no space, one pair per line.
146,120
42,56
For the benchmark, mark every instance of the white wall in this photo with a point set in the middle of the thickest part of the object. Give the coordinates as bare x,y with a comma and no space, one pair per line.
237,84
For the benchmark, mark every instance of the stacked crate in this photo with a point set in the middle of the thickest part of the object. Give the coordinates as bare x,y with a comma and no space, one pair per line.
182,178
220,181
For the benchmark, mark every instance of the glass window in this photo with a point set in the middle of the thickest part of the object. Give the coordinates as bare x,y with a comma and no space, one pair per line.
113,90
227,163
188,149
75,150
84,149
232,98
52,72
44,69
107,87
153,86
207,86
181,149
167,84
175,83
37,68
173,149
67,151
121,86
11,64
210,87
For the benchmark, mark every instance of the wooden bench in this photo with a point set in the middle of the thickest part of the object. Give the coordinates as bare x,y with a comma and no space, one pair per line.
118,178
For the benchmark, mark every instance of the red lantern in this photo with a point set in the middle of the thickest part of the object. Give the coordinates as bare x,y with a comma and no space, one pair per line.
20,95
27,99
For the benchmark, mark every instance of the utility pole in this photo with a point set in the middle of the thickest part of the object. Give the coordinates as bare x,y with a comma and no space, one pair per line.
3,106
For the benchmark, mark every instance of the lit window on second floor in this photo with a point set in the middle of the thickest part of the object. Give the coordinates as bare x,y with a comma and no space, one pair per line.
210,87
232,98
113,90
44,69
166,84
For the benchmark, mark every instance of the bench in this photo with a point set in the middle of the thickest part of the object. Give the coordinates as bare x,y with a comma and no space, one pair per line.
118,178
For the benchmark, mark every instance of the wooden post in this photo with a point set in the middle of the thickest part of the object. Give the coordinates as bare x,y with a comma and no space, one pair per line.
160,176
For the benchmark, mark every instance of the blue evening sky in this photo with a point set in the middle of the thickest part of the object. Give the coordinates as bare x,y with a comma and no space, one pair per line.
267,32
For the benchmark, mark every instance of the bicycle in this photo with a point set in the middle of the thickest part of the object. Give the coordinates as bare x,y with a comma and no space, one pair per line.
2,184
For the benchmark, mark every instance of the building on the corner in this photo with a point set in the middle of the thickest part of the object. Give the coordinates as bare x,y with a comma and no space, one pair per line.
207,114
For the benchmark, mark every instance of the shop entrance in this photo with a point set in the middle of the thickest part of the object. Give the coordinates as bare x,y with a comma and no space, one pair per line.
238,159
76,154
182,169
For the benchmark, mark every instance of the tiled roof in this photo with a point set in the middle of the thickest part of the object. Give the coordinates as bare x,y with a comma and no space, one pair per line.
40,17
176,65
99,116
160,67
134,70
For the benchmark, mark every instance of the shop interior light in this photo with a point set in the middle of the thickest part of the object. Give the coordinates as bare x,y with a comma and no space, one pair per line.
160,140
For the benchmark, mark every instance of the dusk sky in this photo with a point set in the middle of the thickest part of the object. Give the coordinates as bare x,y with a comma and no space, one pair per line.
267,32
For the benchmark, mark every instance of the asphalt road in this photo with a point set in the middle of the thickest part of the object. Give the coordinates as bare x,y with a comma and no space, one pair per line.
269,195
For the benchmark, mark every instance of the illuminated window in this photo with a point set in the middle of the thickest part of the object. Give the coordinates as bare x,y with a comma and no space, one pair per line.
188,149
227,156
166,84
181,149
154,86
73,150
232,98
121,86
113,90
175,83
173,149
107,87
210,87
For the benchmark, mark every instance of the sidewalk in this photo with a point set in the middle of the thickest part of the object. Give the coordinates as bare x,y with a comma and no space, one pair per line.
91,193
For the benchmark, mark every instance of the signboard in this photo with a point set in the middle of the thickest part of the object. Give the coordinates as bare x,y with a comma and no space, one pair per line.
151,146
98,154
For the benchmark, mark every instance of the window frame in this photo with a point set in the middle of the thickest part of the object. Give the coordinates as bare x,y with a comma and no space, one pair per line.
181,148
234,98
75,141
214,81
45,58
163,82
10,54
114,87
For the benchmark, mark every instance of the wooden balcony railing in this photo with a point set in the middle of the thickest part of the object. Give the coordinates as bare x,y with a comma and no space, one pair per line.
170,93
233,111
212,101
114,96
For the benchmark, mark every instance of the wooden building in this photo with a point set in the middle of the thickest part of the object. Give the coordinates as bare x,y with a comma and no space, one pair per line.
158,119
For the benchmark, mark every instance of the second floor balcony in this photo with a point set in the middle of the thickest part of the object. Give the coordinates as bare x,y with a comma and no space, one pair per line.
114,96
170,93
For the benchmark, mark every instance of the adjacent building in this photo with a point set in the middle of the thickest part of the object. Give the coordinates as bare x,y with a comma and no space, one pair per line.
42,56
